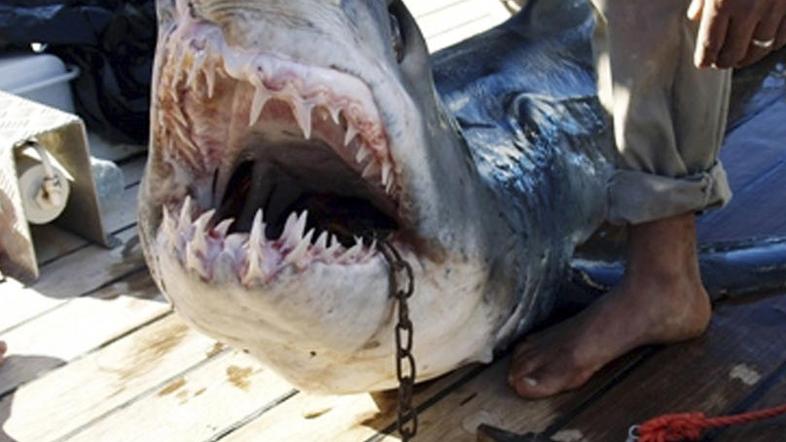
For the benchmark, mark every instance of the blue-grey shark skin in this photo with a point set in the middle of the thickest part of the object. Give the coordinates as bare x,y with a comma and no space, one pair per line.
528,109
508,175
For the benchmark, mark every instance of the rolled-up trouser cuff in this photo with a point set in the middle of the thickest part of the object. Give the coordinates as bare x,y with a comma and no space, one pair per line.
639,197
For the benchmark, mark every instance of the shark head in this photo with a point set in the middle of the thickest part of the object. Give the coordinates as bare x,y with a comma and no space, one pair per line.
288,138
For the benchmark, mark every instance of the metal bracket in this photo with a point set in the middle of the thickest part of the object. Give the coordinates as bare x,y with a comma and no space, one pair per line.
63,136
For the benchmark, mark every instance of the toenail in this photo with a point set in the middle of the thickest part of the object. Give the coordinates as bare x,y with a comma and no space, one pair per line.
531,382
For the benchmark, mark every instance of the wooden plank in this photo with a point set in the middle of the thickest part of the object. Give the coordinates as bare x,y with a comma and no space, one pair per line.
774,396
73,396
82,325
336,418
200,405
488,399
420,9
84,271
709,374
462,31
460,20
454,405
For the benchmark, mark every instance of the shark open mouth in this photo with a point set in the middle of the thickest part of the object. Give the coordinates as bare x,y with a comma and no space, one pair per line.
290,163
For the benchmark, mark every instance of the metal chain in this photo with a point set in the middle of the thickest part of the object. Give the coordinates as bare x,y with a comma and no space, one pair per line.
402,286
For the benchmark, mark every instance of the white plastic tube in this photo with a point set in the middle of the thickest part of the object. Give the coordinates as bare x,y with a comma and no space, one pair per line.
44,187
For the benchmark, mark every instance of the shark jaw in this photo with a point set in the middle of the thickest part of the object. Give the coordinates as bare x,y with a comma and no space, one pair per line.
270,179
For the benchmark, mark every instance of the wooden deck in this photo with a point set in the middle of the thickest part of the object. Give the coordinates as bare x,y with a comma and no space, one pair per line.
95,354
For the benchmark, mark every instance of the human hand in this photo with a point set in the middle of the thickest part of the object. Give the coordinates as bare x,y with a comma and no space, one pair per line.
736,33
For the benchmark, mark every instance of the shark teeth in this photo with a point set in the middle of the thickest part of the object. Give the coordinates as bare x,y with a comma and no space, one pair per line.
203,220
371,170
204,52
299,252
353,252
251,258
257,230
200,236
261,97
210,82
294,229
357,132
322,241
255,272
335,247
222,228
197,66
306,89
195,261
350,135
185,211
362,154
386,168
335,113
302,112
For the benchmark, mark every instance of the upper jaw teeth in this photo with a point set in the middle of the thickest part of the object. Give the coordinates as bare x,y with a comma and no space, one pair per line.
356,145
251,259
306,89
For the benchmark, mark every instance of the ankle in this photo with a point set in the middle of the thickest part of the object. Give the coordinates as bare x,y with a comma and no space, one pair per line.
664,251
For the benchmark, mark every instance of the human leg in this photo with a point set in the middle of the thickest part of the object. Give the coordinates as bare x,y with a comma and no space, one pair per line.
669,119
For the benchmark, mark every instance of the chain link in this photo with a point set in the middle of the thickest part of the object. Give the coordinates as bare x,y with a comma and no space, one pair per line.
402,286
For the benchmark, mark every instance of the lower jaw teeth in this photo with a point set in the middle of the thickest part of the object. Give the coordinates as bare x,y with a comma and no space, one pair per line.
253,258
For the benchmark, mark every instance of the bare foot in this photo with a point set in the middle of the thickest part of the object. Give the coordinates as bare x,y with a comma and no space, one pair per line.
660,300
3,349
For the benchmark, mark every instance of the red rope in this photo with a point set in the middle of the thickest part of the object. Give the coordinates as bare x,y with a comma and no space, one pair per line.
691,426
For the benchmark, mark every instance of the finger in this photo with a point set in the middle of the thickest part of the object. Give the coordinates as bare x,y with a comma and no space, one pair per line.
780,40
694,10
738,40
712,34
767,30
755,53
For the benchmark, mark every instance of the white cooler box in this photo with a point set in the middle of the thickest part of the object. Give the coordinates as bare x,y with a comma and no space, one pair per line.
39,77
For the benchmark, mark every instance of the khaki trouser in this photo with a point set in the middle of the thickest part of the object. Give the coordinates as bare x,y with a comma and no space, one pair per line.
669,117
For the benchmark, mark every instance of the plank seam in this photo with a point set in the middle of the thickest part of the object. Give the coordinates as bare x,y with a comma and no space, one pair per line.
439,9
53,370
115,232
748,401
562,421
125,334
256,414
430,402
458,26
67,301
146,393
